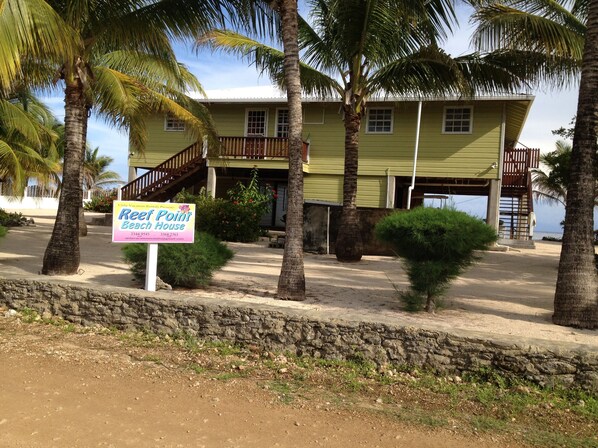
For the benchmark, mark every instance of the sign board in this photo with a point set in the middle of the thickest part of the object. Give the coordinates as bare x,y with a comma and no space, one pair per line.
152,222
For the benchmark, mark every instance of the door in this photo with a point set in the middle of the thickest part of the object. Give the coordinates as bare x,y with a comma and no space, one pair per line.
256,128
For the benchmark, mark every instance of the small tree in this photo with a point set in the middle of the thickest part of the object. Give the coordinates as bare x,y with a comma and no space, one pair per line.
436,245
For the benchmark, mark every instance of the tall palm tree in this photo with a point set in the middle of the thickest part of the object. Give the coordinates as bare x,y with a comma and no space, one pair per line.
355,49
117,62
558,41
576,296
291,283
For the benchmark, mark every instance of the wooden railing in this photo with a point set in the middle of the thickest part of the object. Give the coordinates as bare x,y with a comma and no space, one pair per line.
163,174
516,165
258,148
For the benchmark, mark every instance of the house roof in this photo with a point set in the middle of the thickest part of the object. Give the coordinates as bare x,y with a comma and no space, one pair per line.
272,94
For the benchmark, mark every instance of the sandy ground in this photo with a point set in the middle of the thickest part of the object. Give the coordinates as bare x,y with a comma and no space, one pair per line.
73,390
83,390
506,296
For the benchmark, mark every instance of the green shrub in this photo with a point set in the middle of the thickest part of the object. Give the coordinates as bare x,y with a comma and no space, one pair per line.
187,265
436,245
101,203
13,219
234,219
255,195
3,231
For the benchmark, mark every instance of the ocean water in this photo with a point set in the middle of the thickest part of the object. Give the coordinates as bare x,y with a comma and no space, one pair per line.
540,235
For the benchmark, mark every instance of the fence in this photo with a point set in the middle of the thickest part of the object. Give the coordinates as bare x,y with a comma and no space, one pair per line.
36,197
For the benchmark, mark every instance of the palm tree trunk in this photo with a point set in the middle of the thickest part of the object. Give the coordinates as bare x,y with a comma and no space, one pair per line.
349,244
291,283
576,297
62,255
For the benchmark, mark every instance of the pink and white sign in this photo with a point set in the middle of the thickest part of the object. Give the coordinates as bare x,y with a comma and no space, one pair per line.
152,222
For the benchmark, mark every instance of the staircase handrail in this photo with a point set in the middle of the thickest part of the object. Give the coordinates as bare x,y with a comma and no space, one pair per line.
163,173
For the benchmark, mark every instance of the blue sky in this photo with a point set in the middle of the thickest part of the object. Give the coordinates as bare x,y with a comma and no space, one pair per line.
551,110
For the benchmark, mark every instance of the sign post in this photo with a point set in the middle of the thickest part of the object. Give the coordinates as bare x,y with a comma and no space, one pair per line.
152,223
151,265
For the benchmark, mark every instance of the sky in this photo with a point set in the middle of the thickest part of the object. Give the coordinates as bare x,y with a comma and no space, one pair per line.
551,110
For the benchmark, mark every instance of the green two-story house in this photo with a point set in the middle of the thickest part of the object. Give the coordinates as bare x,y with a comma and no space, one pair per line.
408,149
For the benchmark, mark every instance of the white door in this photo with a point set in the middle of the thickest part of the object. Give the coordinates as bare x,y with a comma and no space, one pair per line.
256,128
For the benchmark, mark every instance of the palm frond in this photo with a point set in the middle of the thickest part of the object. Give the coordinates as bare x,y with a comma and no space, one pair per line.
34,29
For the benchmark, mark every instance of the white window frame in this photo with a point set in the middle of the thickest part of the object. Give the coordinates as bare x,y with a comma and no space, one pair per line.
277,124
247,111
173,124
444,131
392,120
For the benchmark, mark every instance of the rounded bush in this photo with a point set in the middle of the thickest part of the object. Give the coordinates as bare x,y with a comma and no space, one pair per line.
436,244
187,265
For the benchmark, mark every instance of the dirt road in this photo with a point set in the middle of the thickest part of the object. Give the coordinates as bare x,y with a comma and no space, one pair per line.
61,389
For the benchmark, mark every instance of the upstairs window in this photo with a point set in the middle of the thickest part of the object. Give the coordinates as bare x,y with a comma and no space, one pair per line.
171,123
282,123
379,121
457,120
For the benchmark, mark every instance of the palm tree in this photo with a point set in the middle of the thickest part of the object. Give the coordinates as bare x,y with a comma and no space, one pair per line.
95,174
576,296
355,49
291,283
543,37
550,181
565,41
117,61
27,142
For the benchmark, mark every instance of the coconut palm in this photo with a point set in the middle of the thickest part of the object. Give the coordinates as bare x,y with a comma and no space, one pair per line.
545,37
564,35
27,142
291,283
355,49
96,176
551,179
576,296
117,62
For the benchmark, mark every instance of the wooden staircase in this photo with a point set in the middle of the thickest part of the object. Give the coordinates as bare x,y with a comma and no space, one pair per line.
516,201
162,183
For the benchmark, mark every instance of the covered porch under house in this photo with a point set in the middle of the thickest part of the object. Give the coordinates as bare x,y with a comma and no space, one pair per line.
509,199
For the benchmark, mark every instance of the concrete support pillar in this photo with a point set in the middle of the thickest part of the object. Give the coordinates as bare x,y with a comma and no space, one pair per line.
132,173
390,190
211,187
492,212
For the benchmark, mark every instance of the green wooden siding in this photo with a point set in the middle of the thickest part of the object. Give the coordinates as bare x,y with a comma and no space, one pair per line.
161,144
440,155
371,190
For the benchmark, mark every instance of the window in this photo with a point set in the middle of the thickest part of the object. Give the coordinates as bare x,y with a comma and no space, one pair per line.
282,123
379,121
256,123
457,120
171,123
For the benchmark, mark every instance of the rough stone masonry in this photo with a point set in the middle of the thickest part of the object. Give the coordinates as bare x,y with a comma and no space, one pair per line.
272,329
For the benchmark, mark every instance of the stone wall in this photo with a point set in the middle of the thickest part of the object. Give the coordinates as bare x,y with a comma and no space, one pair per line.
299,333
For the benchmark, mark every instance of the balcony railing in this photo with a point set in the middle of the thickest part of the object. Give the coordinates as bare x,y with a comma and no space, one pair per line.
516,166
258,148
